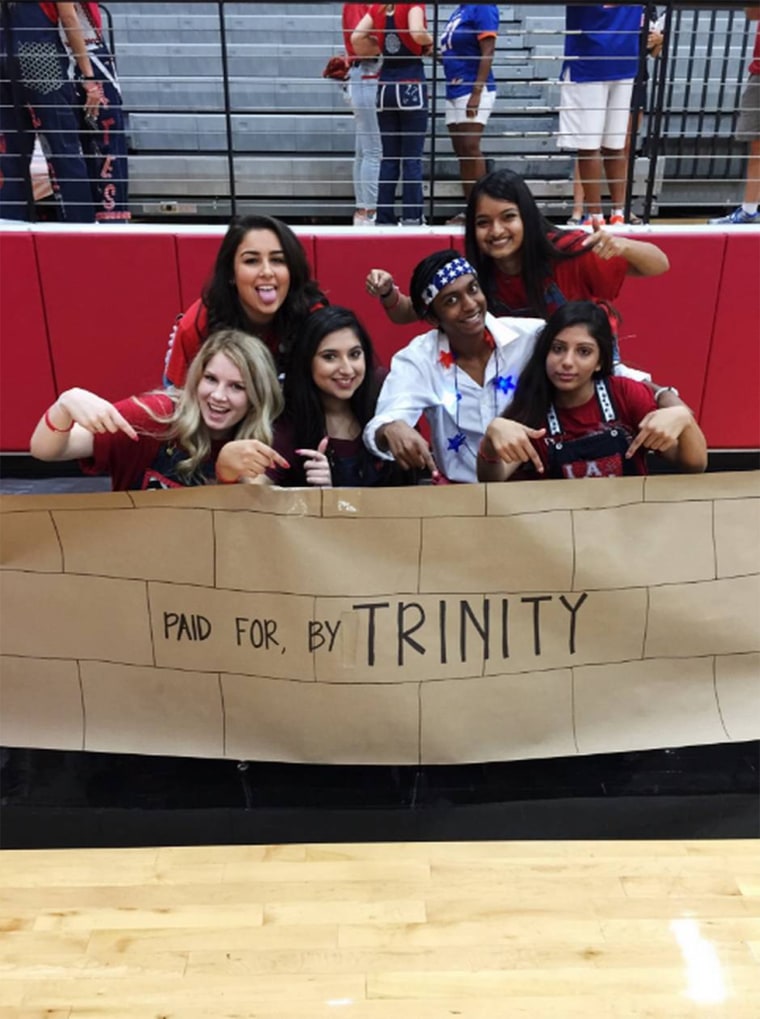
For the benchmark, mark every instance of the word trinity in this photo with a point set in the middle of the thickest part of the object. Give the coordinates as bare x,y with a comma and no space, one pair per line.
459,628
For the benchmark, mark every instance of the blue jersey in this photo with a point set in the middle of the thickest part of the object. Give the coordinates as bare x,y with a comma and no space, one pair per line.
460,46
603,42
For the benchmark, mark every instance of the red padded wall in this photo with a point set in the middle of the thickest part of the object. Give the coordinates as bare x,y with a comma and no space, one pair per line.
26,374
731,406
342,264
110,301
668,320
195,260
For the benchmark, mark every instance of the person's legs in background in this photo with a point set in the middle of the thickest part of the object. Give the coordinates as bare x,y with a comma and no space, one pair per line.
16,145
105,145
57,128
752,184
368,148
40,66
389,122
617,111
748,130
466,133
472,164
577,217
414,127
581,125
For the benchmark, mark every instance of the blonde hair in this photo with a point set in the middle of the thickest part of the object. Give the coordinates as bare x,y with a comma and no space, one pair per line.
185,425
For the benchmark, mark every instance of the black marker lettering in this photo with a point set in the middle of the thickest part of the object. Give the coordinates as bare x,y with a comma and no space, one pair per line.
572,609
372,607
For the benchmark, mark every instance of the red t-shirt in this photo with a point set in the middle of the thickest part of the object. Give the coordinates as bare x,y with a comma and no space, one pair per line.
632,401
584,278
352,15
151,461
189,333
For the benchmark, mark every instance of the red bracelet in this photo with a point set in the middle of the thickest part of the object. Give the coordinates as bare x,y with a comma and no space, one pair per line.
487,459
52,427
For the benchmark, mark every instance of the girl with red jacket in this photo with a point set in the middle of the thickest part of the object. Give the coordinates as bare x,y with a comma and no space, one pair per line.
399,33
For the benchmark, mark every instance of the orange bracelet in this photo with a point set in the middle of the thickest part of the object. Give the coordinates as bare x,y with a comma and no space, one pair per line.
52,427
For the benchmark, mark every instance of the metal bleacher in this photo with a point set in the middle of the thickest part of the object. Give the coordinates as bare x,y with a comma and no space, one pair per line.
227,106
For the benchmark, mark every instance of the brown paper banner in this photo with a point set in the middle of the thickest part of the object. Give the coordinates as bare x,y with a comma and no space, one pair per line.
431,625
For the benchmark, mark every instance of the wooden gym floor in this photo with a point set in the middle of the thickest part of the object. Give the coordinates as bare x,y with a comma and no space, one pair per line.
476,930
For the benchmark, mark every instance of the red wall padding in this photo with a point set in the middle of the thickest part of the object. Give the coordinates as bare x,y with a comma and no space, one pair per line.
195,260
668,320
110,301
27,385
342,265
731,405
101,316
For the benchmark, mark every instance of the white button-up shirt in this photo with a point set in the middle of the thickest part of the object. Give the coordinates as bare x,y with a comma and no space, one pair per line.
424,379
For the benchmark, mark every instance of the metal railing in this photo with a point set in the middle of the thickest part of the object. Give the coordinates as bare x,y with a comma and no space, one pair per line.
228,110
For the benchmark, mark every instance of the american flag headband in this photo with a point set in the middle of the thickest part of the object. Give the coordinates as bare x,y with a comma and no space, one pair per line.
446,274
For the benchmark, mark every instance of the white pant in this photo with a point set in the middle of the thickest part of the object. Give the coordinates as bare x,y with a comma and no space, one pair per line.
594,114
456,109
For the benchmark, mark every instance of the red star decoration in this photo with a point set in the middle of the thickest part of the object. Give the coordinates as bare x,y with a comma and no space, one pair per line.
446,358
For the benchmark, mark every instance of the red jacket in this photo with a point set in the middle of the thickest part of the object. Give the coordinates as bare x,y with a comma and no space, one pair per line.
401,17
352,15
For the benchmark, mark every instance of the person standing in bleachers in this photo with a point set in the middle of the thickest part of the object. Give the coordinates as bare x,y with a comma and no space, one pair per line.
400,31
38,97
748,130
467,48
362,94
102,135
596,84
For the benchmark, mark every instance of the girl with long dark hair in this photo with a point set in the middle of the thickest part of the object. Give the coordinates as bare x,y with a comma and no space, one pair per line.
525,264
330,392
261,284
570,417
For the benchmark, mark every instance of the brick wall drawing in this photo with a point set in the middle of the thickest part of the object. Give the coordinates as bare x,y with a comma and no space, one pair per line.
430,625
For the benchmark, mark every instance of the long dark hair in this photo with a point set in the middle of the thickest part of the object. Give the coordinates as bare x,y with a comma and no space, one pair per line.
221,298
303,400
535,393
539,250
